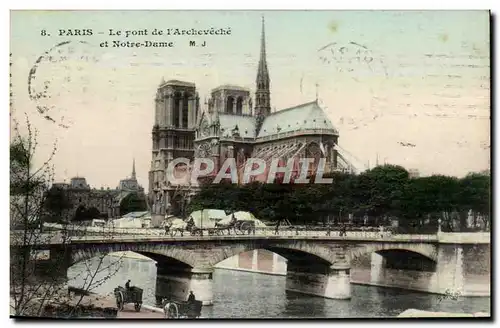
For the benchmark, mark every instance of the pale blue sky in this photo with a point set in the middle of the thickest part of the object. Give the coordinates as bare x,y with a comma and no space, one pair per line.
428,83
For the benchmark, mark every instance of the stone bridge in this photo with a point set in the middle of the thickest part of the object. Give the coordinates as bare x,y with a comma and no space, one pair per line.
317,265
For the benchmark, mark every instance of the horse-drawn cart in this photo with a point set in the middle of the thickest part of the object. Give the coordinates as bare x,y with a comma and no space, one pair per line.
131,295
230,223
242,227
195,231
178,310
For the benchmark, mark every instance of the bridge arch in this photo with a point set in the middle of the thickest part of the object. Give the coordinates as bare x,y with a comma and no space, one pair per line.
297,251
428,251
168,254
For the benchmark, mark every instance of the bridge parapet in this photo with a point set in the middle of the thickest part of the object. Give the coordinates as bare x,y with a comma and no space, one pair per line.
157,235
464,237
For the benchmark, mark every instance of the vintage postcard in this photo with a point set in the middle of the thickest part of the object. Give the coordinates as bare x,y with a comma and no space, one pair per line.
250,164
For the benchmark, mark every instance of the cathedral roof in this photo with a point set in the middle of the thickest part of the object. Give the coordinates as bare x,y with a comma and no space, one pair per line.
246,125
308,116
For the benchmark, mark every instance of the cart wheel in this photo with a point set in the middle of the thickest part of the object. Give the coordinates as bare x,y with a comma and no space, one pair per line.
245,227
171,311
119,301
138,307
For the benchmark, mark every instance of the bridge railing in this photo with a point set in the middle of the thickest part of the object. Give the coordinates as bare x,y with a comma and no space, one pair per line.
472,238
323,232
283,232
464,237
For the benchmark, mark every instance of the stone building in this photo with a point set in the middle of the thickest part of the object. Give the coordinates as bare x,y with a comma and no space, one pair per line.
233,125
106,201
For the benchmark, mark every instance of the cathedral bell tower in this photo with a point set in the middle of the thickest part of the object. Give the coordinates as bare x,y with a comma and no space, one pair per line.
262,93
176,111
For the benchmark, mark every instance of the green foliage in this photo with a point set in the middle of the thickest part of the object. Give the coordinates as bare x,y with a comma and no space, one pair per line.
22,181
84,214
383,191
133,203
57,204
476,191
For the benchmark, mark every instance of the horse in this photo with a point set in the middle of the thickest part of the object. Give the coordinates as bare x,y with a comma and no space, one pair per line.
179,225
226,224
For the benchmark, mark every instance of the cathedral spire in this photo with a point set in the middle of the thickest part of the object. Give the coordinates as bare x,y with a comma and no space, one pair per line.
133,170
262,60
262,93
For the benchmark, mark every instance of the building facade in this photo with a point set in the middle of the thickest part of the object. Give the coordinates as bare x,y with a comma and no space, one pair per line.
233,125
107,201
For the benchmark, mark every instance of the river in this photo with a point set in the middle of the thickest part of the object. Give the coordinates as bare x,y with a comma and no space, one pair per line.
248,295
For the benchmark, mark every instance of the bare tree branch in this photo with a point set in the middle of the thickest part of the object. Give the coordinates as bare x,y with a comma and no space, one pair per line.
35,278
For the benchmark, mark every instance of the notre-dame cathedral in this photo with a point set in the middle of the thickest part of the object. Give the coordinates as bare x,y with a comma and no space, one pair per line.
232,125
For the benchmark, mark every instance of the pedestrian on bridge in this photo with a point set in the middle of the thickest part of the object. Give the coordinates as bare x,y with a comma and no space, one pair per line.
277,227
343,230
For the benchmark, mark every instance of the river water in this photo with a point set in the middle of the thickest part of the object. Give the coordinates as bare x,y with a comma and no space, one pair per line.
240,294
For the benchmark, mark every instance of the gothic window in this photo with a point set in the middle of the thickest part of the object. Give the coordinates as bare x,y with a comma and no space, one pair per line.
229,105
185,111
239,106
175,116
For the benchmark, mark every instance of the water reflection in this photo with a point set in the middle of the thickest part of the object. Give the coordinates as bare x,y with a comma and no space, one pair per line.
248,295
305,305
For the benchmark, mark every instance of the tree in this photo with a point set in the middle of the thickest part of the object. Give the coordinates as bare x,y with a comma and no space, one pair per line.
57,205
133,202
383,192
382,189
35,280
475,195
180,201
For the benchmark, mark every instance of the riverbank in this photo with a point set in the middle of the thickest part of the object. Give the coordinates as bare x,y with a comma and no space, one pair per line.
128,312
414,313
109,301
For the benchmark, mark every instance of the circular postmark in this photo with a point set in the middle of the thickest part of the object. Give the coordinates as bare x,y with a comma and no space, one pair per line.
353,58
349,66
60,77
